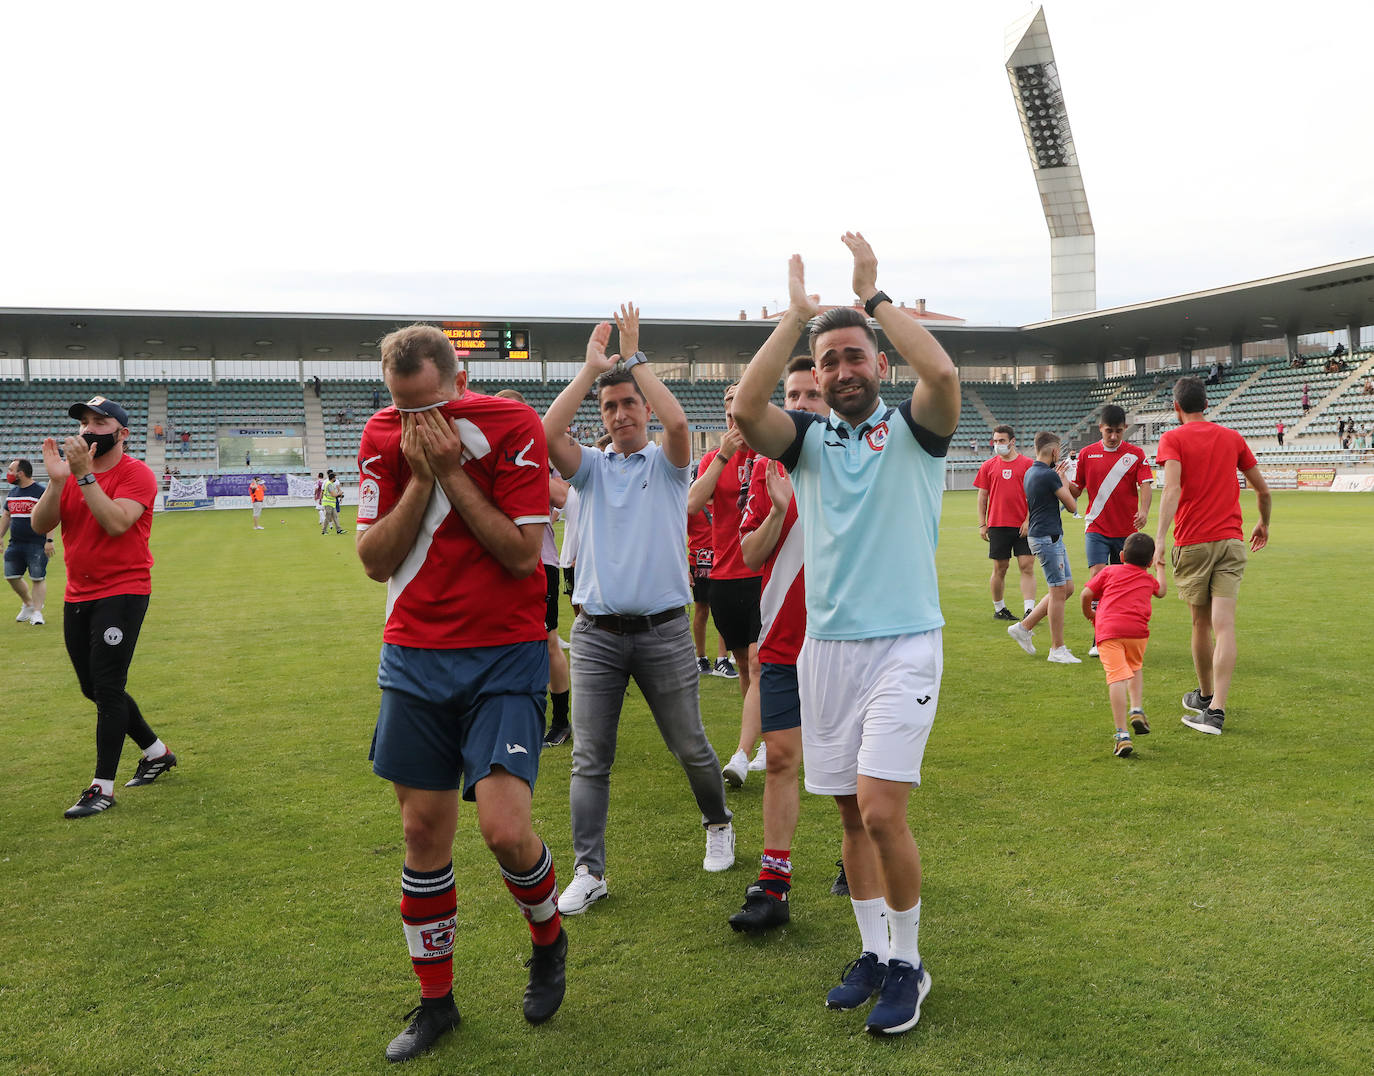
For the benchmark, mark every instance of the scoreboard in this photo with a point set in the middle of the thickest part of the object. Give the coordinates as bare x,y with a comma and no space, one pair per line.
476,341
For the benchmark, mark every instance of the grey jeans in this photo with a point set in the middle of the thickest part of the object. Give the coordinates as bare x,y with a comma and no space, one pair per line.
663,662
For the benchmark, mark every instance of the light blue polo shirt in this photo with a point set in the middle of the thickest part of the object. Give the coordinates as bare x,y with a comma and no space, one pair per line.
632,549
869,502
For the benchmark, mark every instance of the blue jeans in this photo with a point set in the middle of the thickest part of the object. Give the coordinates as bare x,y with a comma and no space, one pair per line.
1054,559
663,662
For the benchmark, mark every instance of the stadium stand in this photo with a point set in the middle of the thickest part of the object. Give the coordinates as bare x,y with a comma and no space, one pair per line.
29,413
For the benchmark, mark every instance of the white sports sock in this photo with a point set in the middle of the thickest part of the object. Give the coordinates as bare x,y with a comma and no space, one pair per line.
1029,604
872,919
998,606
904,927
155,750
106,787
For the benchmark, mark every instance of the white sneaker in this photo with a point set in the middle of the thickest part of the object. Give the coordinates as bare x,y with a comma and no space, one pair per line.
736,770
37,618
584,891
1092,651
1060,655
760,759
720,846
25,614
1022,637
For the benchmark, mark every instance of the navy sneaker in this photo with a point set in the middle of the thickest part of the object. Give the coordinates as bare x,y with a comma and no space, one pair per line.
150,769
899,1005
429,1023
861,980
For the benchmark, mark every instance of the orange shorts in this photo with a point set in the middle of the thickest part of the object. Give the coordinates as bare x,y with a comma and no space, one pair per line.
1121,658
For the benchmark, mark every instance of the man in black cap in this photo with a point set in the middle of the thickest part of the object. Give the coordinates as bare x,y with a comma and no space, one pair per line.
103,500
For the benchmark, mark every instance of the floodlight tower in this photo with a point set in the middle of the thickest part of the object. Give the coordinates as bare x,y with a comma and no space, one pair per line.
1045,123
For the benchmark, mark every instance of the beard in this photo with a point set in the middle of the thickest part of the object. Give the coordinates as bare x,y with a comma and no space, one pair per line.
853,406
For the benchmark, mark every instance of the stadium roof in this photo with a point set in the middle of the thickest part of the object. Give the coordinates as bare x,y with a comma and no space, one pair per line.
1310,301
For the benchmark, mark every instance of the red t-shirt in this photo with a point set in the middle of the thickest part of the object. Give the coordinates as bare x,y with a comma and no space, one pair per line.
98,564
782,607
1112,482
450,593
699,539
1209,496
725,515
1123,601
1003,479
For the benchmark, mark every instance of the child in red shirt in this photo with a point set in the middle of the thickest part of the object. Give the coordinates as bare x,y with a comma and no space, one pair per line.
1122,622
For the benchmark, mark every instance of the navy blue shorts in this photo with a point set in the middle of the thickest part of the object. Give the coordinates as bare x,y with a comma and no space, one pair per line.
449,716
779,699
30,558
1101,549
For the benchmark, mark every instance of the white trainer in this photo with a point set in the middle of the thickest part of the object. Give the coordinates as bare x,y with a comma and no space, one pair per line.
737,769
584,891
1092,651
760,759
1061,655
37,619
720,847
25,614
1022,637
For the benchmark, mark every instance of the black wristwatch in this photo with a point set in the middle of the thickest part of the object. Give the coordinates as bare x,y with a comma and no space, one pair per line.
86,479
873,301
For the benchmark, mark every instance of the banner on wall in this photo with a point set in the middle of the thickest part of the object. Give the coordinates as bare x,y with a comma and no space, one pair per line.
1316,477
236,485
185,503
1353,483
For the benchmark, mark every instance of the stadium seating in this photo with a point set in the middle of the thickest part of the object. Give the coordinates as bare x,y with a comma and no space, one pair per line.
29,413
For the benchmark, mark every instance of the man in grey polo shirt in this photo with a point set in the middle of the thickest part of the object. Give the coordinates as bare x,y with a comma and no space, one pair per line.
633,589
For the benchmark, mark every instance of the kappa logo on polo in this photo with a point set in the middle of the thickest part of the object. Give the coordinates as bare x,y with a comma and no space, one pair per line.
515,749
519,458
366,465
113,636
877,437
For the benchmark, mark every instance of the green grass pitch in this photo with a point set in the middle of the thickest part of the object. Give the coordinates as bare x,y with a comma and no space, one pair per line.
1201,907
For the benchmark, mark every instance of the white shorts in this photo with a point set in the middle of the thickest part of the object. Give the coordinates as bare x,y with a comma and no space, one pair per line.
257,509
867,708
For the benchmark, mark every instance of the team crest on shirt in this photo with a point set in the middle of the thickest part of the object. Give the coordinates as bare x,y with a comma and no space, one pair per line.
439,938
877,437
1006,472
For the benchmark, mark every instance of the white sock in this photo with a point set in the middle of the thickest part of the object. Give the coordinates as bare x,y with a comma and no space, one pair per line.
998,606
155,750
904,927
1029,604
106,787
872,919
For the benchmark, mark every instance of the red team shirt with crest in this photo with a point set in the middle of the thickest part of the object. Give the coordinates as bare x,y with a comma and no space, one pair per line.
100,565
1111,481
725,515
782,607
450,593
1006,492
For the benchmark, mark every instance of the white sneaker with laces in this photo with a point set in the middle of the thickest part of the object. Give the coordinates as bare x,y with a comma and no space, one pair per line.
760,759
584,891
720,847
37,618
1092,651
1022,637
737,769
25,614
1060,655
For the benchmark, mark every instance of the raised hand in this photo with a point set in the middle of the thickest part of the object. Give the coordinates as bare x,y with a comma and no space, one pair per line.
779,486
627,321
597,359
865,264
53,463
79,458
413,448
804,305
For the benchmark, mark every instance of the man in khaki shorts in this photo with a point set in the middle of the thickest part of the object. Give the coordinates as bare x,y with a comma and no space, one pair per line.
1202,500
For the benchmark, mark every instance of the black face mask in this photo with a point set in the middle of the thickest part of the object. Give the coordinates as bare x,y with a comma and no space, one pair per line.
100,442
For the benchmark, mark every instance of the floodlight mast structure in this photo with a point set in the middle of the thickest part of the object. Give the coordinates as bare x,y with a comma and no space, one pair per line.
1045,123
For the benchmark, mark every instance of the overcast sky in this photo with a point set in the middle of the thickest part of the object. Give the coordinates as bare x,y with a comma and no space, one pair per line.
535,159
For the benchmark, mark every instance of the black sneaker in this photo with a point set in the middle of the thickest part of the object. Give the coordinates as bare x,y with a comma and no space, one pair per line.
1139,725
1004,614
762,910
1209,721
429,1023
547,983
558,735
92,801
1196,701
703,666
840,886
861,980
150,769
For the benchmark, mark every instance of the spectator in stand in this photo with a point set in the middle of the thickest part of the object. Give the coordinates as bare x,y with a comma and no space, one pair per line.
158,432
348,414
185,441
1280,433
1003,518
1306,401
376,399
1340,427
315,383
